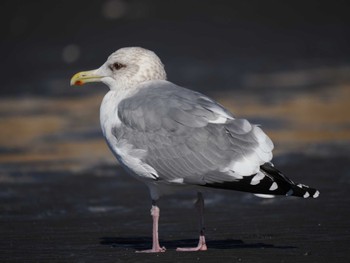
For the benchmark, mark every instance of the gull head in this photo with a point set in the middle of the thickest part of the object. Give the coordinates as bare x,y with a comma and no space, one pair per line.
124,69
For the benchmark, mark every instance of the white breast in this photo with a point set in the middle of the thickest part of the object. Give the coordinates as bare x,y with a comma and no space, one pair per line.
127,156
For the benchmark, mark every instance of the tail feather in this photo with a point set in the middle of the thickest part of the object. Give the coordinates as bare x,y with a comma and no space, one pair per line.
268,181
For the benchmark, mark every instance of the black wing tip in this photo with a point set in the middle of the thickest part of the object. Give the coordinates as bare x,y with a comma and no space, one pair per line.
274,183
301,190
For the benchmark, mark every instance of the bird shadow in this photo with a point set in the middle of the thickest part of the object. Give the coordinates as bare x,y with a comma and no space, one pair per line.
139,243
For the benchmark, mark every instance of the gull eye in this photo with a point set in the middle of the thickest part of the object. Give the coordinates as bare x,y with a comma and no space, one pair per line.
117,66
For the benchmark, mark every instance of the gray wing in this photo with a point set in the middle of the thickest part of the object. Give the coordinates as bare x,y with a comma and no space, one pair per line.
187,137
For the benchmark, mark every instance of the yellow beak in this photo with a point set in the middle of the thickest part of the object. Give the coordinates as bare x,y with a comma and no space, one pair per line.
84,77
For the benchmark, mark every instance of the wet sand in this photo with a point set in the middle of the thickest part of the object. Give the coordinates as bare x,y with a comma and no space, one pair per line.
102,215
64,199
284,65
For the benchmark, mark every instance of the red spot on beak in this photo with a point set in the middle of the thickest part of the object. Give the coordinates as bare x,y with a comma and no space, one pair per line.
78,83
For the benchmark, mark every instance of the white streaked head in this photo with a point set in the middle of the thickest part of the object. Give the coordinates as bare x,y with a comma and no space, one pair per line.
125,69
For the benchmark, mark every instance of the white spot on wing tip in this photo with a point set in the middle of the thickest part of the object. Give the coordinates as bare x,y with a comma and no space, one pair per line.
254,182
257,178
316,194
306,195
274,186
302,186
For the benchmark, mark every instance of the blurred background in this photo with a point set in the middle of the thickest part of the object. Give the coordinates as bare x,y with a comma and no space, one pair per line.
282,64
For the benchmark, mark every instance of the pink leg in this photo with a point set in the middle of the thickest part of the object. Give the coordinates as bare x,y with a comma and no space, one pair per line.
201,244
155,245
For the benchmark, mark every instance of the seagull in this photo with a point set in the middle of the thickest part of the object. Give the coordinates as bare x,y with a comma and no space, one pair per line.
173,138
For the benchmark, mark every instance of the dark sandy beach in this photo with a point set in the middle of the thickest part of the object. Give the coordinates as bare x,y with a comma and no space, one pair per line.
283,65
103,215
